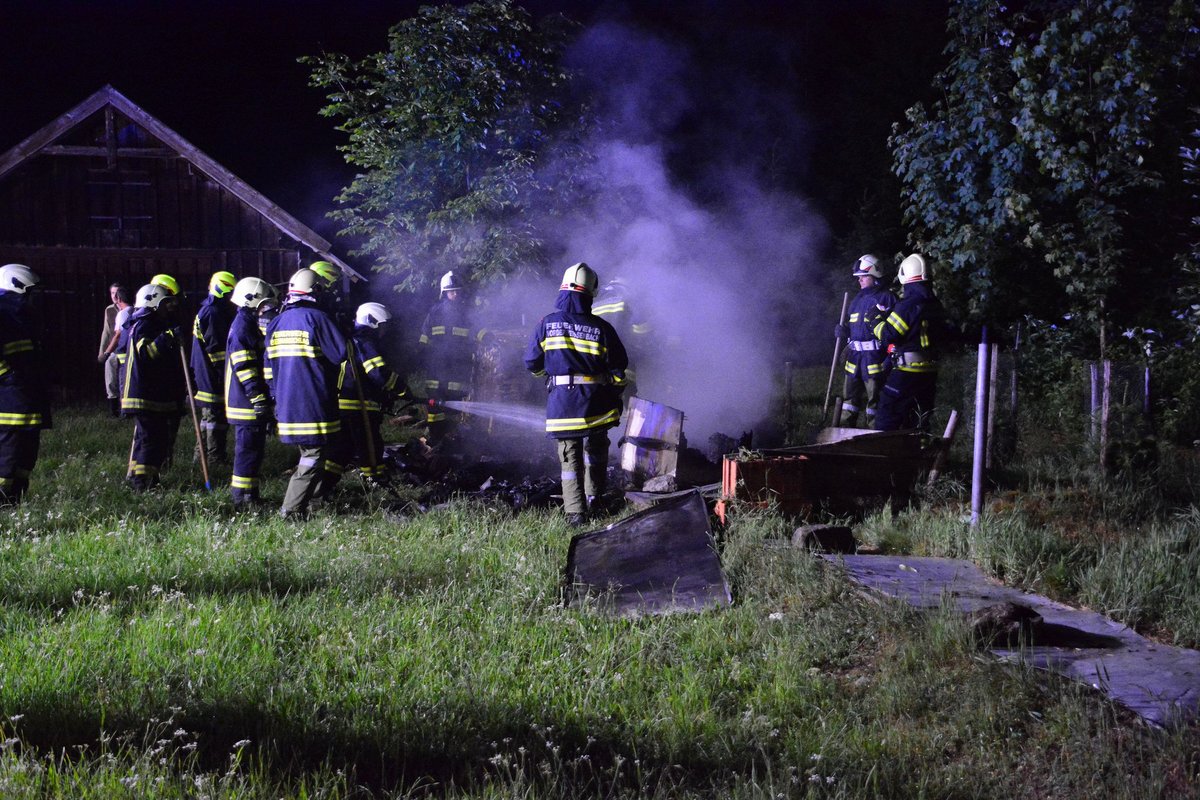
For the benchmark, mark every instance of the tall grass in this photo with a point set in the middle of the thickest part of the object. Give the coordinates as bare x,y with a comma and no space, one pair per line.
159,646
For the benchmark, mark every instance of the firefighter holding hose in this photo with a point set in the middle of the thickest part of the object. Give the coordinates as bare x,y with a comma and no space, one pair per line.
583,360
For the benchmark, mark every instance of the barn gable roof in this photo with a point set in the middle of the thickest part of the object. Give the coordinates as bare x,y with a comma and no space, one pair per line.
58,131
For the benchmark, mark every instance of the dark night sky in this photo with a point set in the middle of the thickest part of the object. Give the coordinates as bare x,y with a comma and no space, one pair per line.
224,75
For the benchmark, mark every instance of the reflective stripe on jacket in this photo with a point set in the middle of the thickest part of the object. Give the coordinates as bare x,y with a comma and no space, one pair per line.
153,372
245,382
210,330
914,327
448,346
573,341
24,402
380,382
305,351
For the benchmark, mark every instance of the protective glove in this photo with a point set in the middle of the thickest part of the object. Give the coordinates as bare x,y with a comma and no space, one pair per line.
841,331
264,412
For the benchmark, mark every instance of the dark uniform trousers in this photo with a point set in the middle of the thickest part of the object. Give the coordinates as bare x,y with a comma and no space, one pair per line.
18,454
907,401
585,458
249,449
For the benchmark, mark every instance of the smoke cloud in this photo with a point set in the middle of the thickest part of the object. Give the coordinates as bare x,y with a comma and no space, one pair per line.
722,265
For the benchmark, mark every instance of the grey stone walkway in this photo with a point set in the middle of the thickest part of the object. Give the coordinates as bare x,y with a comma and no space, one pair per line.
1159,682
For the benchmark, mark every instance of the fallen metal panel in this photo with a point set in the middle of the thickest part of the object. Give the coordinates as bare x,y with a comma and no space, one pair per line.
653,433
1159,682
657,561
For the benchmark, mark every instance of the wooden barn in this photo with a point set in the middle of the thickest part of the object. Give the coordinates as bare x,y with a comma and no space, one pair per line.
106,193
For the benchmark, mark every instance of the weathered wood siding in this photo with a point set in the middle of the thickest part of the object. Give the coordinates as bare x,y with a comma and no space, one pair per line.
82,225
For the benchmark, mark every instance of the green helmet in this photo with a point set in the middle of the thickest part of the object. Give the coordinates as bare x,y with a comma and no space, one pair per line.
330,273
221,283
167,282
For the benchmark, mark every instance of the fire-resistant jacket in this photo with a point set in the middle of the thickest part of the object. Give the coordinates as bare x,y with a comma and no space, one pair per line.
914,326
24,402
210,331
305,351
153,371
448,345
380,382
613,305
245,383
864,354
584,362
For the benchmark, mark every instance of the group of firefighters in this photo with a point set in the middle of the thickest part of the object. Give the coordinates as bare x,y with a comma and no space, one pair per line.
891,352
260,361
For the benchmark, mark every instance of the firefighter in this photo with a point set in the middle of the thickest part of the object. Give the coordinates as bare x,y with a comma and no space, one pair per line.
613,305
154,384
448,345
210,330
866,362
24,404
247,399
583,361
369,386
305,351
910,335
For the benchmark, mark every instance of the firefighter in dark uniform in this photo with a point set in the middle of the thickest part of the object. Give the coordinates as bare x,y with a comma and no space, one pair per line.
24,404
247,399
305,351
448,345
361,402
866,362
613,305
910,335
584,363
210,330
154,384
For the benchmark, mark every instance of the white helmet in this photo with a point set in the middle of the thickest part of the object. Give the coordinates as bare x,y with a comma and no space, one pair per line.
450,282
913,269
580,278
305,281
151,295
17,278
867,265
251,292
372,315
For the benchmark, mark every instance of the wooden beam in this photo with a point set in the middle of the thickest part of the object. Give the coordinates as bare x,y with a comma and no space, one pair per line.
102,152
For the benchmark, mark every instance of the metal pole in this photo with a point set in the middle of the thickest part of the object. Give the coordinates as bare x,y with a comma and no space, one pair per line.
991,412
837,351
982,374
787,409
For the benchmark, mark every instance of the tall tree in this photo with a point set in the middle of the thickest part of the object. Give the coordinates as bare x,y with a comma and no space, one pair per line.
455,125
962,169
1045,177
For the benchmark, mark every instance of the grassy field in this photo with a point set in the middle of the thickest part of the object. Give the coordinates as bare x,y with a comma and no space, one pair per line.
159,646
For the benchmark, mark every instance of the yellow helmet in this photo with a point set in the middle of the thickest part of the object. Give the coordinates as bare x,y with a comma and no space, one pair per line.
167,282
330,273
580,278
221,283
